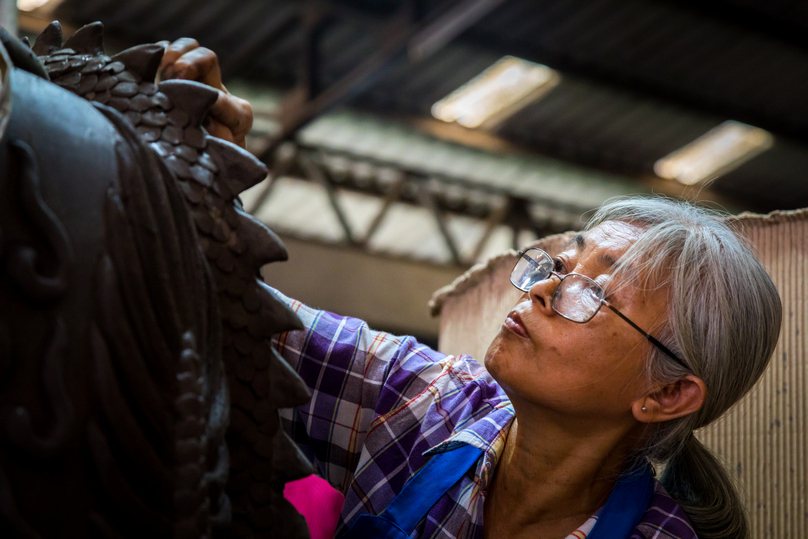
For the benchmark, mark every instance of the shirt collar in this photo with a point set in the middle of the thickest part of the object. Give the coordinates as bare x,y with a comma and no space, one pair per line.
488,433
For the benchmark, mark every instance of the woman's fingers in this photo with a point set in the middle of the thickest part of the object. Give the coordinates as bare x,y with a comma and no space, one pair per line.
219,130
234,113
192,63
230,117
173,50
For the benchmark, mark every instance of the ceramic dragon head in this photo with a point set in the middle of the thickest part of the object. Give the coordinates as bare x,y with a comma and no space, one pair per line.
138,389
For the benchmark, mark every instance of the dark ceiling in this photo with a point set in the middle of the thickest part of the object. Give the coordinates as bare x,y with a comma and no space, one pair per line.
640,78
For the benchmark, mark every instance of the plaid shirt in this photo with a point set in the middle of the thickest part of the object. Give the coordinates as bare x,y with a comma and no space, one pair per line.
382,405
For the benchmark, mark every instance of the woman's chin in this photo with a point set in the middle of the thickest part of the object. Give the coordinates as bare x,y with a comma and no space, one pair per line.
494,356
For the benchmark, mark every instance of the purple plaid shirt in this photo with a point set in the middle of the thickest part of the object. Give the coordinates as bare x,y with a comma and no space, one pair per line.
382,405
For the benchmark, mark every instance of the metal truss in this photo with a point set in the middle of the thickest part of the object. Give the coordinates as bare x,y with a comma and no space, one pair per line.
441,196
412,31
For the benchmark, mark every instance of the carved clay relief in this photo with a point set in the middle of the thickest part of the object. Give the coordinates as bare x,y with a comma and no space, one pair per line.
177,321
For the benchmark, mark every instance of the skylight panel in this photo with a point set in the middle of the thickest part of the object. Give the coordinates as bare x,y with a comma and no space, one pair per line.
715,153
496,93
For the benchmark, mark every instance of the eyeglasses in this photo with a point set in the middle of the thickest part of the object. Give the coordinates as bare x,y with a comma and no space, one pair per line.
577,297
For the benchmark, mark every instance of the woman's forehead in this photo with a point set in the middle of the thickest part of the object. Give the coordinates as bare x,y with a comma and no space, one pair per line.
608,241
603,246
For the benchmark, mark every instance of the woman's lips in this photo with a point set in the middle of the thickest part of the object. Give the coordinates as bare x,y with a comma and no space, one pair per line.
513,322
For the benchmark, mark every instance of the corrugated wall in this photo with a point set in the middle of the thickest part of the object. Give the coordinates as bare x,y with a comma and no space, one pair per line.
764,439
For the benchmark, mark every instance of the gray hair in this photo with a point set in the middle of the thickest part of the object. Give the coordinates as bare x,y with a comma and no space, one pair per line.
723,320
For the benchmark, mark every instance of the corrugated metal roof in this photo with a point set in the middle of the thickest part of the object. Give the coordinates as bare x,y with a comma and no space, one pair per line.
640,78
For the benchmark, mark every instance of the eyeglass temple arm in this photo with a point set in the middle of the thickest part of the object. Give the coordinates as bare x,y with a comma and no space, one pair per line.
647,336
523,254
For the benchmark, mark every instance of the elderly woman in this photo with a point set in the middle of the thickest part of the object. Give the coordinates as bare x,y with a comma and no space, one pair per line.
650,324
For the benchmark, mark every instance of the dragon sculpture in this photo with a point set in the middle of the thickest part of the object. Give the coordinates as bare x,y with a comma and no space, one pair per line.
138,389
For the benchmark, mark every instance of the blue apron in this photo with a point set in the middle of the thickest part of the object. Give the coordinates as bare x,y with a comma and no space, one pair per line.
620,515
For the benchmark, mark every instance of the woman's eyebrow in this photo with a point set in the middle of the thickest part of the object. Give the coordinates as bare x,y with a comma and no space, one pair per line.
607,260
579,241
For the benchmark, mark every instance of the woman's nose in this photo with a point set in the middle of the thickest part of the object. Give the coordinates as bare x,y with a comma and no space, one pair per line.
542,291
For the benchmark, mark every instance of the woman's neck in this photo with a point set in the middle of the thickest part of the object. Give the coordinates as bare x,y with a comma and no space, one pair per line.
550,478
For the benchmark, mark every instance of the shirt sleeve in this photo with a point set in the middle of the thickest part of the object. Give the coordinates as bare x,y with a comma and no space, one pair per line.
355,374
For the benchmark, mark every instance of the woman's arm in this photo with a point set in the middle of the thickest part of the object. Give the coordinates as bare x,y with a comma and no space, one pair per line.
356,375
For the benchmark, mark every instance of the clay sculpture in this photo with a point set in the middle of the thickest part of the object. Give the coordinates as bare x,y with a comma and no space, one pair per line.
138,390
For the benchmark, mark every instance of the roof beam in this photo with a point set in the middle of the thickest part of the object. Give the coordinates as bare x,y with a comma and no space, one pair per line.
754,19
267,33
404,36
632,81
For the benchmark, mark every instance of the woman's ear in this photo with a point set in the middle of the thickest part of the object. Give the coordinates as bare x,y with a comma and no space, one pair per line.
680,398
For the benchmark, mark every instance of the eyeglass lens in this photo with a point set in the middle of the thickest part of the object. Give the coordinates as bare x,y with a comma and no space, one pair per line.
577,297
533,266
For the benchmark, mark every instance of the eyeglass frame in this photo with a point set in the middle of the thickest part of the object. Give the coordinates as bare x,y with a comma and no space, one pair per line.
651,339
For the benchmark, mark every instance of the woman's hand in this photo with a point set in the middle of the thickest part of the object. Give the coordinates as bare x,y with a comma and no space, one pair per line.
230,117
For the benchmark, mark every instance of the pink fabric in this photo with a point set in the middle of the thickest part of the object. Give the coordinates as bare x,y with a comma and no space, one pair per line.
318,502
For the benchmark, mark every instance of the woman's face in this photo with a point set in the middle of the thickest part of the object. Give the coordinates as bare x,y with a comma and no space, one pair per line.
595,369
